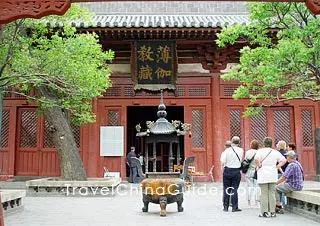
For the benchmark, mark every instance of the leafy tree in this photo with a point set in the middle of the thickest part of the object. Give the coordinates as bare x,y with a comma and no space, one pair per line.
275,68
64,68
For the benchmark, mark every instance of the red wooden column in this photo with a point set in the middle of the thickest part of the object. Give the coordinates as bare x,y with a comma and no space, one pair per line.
12,140
217,131
91,152
123,158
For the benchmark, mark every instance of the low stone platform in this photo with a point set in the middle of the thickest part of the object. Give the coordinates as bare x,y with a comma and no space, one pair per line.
316,178
12,200
55,187
305,203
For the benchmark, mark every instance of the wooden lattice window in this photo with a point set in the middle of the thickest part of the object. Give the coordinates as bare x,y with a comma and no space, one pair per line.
282,127
22,95
113,92
76,134
228,90
5,129
113,117
47,138
235,123
7,92
197,91
181,91
197,129
128,91
28,130
307,135
258,125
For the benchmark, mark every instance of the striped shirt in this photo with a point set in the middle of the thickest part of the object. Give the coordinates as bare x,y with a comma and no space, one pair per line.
294,175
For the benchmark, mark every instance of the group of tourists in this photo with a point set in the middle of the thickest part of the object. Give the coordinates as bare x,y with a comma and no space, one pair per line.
269,174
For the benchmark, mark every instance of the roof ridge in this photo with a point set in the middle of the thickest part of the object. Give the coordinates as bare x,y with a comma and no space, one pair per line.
195,15
161,21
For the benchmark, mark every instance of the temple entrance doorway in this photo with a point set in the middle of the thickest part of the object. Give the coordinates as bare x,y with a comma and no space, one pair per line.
139,115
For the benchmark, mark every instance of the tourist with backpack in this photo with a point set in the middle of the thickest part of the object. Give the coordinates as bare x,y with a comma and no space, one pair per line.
251,183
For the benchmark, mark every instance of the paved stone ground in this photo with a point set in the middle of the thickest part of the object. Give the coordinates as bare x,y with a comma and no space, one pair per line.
200,208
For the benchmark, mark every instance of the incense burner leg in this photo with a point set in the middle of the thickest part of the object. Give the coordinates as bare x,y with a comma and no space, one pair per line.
146,201
179,202
163,205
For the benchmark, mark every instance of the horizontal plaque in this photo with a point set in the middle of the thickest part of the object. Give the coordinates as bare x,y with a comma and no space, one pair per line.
155,65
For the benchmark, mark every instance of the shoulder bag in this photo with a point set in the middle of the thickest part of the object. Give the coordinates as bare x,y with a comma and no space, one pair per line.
255,175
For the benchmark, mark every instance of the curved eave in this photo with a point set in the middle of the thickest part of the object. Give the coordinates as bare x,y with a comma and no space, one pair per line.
160,21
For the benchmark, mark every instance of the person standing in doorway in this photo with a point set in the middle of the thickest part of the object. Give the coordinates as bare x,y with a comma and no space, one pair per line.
133,168
141,160
231,162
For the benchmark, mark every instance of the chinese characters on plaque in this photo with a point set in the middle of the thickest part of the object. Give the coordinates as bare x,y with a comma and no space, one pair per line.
155,68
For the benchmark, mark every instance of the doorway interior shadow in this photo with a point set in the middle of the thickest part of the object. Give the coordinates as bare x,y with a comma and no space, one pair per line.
141,114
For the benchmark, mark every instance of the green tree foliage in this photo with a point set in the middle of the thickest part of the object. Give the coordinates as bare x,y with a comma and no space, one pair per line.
64,69
276,68
71,64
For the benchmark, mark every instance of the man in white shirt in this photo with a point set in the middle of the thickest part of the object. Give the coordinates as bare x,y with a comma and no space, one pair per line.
231,162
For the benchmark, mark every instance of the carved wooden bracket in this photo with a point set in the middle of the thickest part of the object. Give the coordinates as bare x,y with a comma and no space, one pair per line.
215,59
313,6
16,9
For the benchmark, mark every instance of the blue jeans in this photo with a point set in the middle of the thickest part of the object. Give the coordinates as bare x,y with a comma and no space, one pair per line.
283,196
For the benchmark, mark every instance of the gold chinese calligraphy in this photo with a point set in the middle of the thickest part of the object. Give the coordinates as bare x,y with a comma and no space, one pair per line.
155,68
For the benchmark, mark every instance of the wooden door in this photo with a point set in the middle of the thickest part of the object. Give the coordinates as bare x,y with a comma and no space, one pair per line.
48,159
35,153
306,150
277,123
28,140
4,148
196,143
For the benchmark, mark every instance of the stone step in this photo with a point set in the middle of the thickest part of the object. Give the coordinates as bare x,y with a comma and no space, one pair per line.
316,178
56,187
26,178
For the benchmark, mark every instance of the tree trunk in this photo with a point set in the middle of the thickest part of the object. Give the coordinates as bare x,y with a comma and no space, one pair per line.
63,139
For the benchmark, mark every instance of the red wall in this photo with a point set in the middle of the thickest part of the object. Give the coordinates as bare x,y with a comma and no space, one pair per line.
211,99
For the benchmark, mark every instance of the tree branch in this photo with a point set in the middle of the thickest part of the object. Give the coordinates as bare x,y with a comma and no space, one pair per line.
292,98
11,46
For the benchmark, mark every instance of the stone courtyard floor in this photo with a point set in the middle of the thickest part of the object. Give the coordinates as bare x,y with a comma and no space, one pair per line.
202,206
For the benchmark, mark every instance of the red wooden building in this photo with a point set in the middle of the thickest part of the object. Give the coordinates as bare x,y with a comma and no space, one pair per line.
201,98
